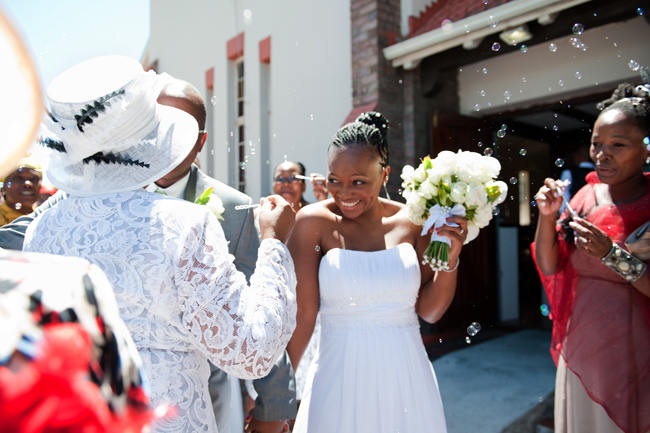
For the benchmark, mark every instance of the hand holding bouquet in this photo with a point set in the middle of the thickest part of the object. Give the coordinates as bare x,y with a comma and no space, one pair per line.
452,184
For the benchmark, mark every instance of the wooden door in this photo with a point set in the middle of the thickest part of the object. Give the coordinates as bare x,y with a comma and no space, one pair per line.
477,290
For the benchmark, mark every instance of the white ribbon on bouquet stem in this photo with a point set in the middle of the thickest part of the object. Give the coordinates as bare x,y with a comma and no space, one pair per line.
438,217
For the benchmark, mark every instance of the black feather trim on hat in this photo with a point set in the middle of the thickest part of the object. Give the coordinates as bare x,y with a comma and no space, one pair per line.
93,109
112,158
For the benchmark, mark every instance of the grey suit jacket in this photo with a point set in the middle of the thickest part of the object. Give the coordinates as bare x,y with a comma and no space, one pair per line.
276,393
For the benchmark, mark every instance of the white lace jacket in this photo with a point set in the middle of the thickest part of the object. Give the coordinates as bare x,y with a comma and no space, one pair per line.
178,291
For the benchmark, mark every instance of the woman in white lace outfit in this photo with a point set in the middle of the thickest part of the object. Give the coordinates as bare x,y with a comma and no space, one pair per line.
177,288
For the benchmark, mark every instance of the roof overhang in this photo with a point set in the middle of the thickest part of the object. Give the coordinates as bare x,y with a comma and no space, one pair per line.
469,31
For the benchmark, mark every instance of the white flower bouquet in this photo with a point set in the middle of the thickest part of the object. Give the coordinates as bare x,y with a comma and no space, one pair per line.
213,202
453,184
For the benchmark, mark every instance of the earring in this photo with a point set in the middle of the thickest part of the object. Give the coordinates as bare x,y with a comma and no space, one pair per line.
386,191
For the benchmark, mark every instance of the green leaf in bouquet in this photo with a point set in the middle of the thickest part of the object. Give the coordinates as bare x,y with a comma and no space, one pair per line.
426,161
470,213
493,192
205,197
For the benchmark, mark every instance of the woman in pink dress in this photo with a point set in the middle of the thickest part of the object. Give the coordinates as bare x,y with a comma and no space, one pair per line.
596,281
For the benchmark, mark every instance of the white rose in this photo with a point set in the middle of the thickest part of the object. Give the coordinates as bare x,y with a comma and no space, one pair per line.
419,175
458,191
407,173
503,190
415,214
476,195
483,216
428,190
472,233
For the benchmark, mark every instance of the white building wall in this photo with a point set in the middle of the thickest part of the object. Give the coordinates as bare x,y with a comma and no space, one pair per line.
542,75
310,74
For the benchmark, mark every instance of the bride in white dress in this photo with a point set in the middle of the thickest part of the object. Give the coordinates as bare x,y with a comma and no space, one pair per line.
357,260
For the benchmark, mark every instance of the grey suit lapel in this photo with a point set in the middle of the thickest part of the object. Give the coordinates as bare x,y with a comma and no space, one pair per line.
190,188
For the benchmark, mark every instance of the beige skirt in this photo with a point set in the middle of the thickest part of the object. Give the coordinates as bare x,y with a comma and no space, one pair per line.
575,412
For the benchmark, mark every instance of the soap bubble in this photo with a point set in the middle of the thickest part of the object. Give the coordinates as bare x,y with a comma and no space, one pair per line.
477,107
646,141
214,100
523,49
493,21
248,16
496,211
311,116
480,143
524,80
559,162
639,11
317,248
556,128
488,151
468,340
504,126
523,152
507,95
544,310
18,206
633,65
578,29
560,83
496,46
484,70
578,75
501,133
473,329
552,47
513,180
483,93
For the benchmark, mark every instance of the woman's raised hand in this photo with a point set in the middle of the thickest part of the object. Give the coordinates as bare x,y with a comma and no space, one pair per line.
276,218
456,231
590,239
549,197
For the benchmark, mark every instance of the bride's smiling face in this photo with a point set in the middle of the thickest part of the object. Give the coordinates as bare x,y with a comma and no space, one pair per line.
355,178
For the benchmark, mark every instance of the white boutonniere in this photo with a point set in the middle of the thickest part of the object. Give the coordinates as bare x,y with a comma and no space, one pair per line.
212,202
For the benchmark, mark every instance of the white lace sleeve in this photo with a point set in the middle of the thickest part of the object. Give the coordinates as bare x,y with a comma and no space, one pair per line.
242,329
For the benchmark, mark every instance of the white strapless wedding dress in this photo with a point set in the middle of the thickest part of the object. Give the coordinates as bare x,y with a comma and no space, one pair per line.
372,373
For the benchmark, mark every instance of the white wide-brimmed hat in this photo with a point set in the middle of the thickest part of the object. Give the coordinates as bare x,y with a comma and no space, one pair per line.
105,131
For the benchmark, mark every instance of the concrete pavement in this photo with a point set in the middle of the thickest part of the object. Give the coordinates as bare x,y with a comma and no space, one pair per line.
486,387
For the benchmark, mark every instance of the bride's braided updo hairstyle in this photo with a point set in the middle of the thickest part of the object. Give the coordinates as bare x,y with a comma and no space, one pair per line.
369,129
633,101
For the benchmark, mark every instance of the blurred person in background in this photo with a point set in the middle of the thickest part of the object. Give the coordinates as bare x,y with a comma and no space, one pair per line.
20,191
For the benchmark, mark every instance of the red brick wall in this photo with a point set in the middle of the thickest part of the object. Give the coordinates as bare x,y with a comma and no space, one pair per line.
375,24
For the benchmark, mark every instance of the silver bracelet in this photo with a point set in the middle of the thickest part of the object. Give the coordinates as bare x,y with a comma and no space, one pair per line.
624,264
455,267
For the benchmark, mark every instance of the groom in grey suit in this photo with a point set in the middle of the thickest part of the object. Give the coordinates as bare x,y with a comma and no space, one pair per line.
276,400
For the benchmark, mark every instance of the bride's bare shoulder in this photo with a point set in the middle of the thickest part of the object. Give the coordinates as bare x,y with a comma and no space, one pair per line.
318,213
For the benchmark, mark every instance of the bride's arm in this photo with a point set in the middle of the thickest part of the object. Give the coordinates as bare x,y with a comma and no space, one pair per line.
304,245
438,289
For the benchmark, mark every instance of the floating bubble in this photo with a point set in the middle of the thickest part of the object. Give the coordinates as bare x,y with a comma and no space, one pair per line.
248,16
447,25
578,29
615,44
523,152
485,2
559,162
507,95
496,46
544,310
311,116
633,65
555,115
524,48
232,133
488,151
284,157
640,11
484,70
560,83
399,81
483,92
513,180
467,28
317,248
440,340
578,75
524,80
501,133
477,107
480,143
496,211
533,203
552,47
493,21
214,100
504,126
268,162
473,329
555,128
468,340
18,206
646,141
